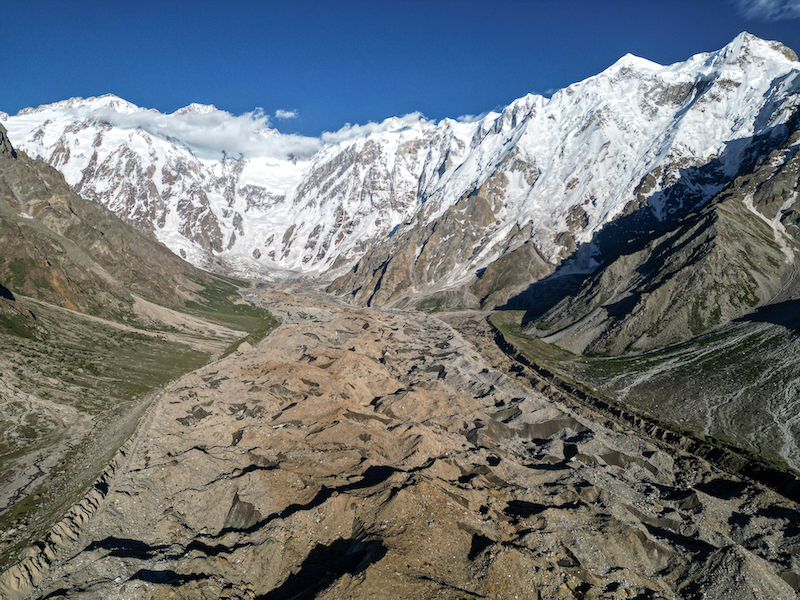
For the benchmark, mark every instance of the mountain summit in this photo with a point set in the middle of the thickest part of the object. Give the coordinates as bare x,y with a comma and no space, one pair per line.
552,172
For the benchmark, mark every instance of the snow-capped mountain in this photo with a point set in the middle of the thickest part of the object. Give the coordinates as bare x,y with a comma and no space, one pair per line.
546,176
194,198
549,173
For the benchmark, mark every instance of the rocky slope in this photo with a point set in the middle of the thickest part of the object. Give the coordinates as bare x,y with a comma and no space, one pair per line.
87,327
738,384
425,206
369,454
717,264
77,254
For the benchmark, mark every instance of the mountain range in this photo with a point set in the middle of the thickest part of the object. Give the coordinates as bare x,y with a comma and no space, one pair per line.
634,238
412,207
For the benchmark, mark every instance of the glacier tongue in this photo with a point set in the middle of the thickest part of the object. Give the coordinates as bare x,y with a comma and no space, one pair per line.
559,169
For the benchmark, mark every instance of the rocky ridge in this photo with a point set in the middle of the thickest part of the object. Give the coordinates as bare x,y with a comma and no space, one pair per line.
77,254
718,263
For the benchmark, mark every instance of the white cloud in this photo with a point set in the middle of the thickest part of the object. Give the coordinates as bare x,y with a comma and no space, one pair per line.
351,132
769,10
210,135
471,118
285,114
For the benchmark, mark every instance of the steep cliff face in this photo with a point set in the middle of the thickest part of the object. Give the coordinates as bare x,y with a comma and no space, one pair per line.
717,264
639,145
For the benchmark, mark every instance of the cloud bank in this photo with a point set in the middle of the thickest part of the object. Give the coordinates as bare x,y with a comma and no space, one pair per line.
471,118
212,134
769,10
351,132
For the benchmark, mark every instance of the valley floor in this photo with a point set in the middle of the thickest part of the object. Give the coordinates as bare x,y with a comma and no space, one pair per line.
70,399
359,453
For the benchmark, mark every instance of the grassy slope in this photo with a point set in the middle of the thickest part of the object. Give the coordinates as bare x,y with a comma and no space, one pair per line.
728,386
217,306
101,371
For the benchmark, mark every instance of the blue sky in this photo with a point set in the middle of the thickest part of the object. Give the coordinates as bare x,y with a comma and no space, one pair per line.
351,61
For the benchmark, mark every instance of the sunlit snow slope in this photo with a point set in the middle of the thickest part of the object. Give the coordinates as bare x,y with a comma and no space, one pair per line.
551,171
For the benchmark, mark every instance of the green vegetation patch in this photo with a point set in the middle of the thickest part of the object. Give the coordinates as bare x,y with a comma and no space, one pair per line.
431,304
93,366
15,518
220,297
549,355
264,324
17,325
20,270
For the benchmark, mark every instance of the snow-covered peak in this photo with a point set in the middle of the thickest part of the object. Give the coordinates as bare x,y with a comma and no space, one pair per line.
205,131
746,56
195,107
634,63
526,103
746,47
93,103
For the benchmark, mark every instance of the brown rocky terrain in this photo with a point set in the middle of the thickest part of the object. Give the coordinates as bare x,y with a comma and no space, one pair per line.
357,453
62,249
93,315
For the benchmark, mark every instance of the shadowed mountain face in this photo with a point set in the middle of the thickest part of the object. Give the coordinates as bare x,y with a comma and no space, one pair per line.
712,265
695,320
59,248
